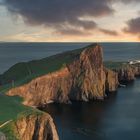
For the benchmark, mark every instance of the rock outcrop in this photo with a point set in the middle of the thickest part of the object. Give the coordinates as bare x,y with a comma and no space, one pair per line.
111,80
88,76
128,73
52,87
83,79
35,127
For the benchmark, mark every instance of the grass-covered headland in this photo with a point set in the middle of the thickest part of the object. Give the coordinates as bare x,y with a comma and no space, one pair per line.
24,72
21,73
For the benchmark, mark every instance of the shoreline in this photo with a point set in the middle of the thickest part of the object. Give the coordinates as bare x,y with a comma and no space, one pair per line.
81,77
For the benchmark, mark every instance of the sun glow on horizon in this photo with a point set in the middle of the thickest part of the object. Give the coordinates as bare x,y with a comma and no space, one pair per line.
106,29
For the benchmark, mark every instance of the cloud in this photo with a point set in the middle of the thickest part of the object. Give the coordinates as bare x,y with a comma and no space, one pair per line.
73,32
132,1
64,16
80,28
1,2
109,32
60,13
125,1
133,26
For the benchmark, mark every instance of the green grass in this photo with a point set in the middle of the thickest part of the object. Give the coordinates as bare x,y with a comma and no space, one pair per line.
115,65
8,129
10,107
24,72
21,73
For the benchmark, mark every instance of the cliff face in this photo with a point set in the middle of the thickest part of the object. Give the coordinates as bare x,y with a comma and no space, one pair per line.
128,73
52,87
84,79
35,127
111,80
88,76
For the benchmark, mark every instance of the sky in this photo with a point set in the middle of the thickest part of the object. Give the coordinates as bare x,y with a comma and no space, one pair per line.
70,20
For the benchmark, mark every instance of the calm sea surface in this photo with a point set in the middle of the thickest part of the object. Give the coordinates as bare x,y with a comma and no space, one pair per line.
11,53
117,118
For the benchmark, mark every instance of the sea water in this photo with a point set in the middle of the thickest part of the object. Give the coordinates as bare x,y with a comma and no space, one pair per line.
116,118
11,53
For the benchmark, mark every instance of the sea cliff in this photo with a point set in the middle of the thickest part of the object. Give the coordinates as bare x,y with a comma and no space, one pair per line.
31,126
84,79
35,127
128,73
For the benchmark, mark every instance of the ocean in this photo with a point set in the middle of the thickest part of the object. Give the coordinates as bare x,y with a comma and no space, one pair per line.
11,53
116,118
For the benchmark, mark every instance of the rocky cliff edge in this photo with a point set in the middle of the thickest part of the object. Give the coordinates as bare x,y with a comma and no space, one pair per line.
84,79
32,126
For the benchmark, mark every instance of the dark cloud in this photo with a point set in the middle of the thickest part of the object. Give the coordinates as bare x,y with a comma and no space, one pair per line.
1,2
50,11
60,13
133,26
109,32
63,15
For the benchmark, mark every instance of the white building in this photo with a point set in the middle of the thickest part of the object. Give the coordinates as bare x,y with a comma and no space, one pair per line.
134,62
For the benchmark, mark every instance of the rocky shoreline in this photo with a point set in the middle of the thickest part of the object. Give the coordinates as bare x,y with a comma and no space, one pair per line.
129,73
86,78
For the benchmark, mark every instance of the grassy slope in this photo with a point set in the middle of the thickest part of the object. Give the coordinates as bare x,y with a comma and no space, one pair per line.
10,109
22,73
115,65
9,128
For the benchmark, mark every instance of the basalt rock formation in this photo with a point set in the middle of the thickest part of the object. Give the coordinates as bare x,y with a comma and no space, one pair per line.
88,76
35,127
112,82
83,79
128,73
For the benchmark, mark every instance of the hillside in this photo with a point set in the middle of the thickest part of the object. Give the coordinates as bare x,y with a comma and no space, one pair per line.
24,72
79,75
83,79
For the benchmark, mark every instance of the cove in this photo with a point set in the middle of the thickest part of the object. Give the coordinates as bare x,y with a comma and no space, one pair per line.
116,118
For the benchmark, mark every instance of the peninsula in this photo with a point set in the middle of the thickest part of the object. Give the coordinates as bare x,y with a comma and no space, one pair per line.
79,75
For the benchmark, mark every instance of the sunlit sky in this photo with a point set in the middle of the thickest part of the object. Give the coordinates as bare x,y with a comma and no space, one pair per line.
69,20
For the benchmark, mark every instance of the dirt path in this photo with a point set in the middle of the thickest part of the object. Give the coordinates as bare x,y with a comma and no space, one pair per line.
5,123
